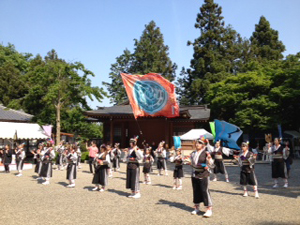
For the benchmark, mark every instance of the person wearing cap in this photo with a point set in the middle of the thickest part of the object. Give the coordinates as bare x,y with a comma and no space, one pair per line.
134,156
246,161
201,163
116,152
217,152
20,156
101,171
161,155
279,155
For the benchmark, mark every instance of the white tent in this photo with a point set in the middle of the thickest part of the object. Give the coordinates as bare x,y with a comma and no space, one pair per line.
195,134
23,131
293,133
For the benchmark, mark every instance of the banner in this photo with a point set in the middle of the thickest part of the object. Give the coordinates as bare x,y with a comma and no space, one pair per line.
279,130
228,134
48,130
151,95
213,129
177,142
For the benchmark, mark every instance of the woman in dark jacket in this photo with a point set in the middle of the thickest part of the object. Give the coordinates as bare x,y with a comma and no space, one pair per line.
6,157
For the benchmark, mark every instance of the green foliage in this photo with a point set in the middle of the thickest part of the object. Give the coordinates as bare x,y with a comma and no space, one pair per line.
51,89
84,156
116,87
13,66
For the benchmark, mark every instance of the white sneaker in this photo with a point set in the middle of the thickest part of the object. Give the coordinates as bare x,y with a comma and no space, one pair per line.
208,213
227,181
101,190
215,179
149,183
174,187
130,196
95,189
46,183
137,195
195,212
39,178
144,182
275,186
256,194
158,175
245,194
179,188
19,175
286,185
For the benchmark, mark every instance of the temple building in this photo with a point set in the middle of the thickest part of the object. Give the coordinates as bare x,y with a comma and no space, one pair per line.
119,124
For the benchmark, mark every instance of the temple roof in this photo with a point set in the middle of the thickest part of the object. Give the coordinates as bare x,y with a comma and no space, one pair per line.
199,112
11,115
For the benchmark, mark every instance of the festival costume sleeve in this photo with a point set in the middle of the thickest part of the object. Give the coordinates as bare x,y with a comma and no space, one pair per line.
22,155
227,151
139,154
286,153
209,148
52,154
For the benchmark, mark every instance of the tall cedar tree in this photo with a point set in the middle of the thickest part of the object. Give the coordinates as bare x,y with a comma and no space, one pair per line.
215,53
264,42
150,55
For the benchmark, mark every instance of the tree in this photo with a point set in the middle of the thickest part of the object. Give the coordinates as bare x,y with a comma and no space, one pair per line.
243,99
116,88
13,66
57,86
264,42
215,52
151,54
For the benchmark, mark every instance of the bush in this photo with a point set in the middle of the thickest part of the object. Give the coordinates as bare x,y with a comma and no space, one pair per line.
84,156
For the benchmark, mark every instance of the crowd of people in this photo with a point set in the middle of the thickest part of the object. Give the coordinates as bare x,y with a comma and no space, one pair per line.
204,161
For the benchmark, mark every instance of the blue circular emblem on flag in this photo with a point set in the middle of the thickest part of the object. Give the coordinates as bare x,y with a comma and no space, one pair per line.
150,96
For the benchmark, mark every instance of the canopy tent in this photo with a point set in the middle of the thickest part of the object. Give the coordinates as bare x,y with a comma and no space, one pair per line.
293,133
8,130
195,134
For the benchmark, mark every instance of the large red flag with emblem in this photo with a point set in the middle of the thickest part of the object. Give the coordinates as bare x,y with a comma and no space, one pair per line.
151,95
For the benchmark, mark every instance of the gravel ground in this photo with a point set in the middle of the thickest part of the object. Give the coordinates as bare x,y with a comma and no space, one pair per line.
26,201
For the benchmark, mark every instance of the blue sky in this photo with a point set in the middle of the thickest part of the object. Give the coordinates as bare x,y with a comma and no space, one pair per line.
95,32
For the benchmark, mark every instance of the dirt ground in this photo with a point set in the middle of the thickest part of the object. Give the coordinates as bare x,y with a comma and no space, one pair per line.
26,201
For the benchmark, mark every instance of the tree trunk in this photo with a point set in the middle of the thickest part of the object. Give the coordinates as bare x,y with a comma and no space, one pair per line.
58,123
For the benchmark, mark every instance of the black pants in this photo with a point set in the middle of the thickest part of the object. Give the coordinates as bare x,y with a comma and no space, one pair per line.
6,167
91,160
201,192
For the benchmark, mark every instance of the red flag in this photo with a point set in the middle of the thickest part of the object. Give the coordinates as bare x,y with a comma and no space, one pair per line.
151,95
